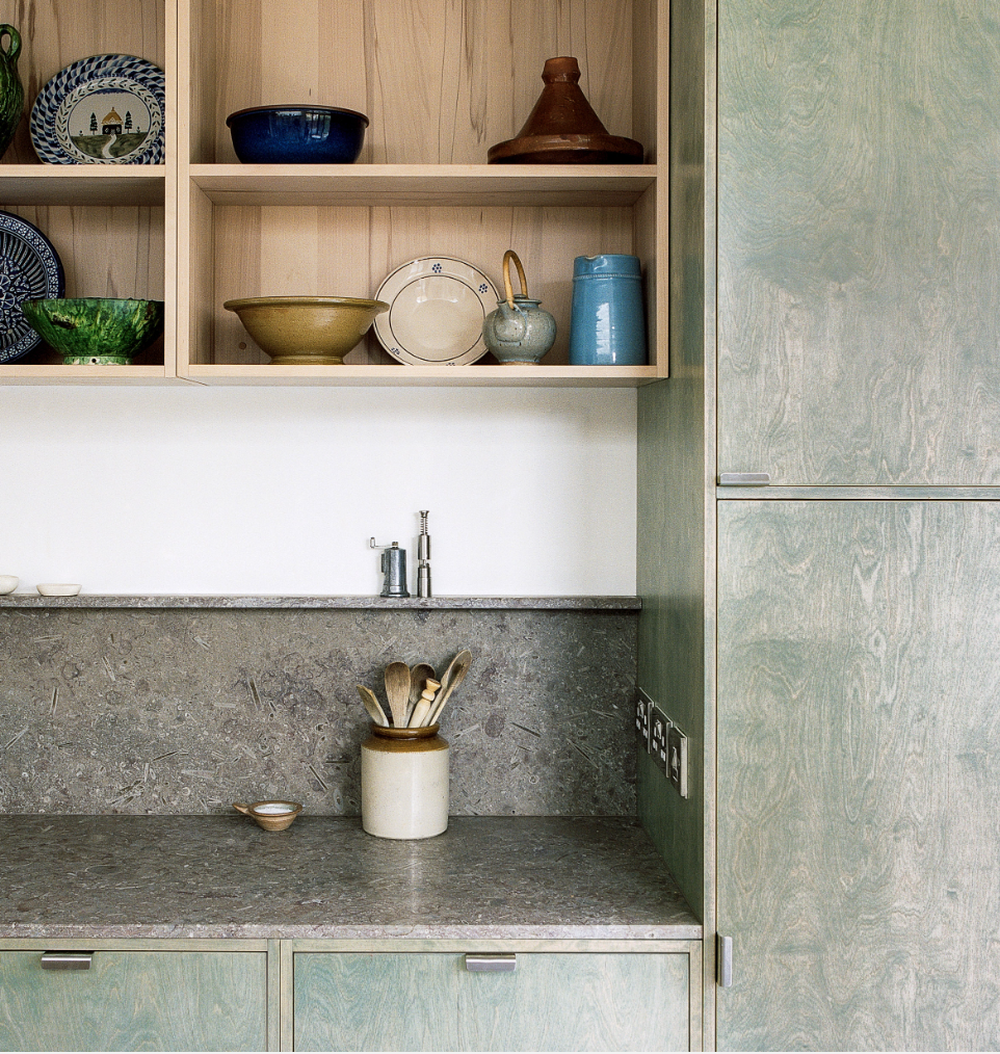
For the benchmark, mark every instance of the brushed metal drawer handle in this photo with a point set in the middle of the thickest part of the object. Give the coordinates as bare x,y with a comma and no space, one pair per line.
66,960
501,962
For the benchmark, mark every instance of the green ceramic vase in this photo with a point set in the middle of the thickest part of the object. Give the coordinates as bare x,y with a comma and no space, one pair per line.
11,88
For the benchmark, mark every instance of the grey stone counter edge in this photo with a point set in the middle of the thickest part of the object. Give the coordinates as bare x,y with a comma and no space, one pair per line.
221,877
52,931
162,600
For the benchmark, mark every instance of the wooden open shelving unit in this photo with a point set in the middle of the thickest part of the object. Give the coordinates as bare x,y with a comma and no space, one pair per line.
440,82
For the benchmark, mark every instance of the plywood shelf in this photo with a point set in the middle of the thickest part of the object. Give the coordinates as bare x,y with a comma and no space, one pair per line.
424,185
428,376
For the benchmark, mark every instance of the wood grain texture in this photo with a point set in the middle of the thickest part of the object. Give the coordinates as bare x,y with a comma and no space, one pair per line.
859,210
418,1001
859,775
441,80
172,1000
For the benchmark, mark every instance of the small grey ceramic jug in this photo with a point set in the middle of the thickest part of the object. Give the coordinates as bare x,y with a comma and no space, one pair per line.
520,330
607,326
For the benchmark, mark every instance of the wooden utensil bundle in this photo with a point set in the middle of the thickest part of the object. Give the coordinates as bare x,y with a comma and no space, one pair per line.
415,697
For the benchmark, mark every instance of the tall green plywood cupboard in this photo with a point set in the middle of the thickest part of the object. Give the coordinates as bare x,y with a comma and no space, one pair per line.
818,503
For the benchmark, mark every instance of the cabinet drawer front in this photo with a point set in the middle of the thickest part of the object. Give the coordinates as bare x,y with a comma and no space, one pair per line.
552,1001
135,1001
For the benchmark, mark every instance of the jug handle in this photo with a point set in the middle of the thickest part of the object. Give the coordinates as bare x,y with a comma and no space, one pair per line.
15,42
507,288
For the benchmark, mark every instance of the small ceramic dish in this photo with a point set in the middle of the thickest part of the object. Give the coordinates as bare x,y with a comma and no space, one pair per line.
8,583
58,589
271,815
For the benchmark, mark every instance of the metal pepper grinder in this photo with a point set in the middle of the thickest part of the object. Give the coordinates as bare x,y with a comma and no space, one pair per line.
393,567
423,558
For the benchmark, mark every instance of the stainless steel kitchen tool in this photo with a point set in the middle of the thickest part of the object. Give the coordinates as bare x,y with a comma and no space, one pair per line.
424,557
397,691
393,567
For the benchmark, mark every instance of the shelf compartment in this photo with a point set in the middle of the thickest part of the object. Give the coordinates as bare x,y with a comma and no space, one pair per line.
441,83
106,250
347,250
57,34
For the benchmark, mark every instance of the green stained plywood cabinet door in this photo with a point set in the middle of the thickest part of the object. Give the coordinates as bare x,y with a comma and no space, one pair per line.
859,774
859,241
135,1001
553,1001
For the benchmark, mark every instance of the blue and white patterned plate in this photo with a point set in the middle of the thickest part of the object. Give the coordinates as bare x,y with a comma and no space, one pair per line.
437,306
29,268
105,110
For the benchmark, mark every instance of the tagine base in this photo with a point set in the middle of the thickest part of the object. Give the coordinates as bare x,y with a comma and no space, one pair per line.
587,149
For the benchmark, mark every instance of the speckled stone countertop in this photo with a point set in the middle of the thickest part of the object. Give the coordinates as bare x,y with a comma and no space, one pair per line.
162,600
219,876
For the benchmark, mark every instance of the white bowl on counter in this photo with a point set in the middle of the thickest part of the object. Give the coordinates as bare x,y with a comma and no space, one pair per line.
57,589
8,583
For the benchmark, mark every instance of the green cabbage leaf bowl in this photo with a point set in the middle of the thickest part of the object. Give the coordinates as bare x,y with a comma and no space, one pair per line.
94,329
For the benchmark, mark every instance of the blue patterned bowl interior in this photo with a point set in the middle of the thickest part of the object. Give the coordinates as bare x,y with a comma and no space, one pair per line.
297,135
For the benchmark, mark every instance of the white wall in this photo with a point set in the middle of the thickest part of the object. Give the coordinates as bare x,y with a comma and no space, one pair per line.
277,491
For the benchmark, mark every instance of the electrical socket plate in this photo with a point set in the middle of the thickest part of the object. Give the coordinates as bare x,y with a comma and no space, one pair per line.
643,706
677,760
659,725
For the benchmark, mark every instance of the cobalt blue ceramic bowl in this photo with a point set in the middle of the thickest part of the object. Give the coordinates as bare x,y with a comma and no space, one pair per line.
297,135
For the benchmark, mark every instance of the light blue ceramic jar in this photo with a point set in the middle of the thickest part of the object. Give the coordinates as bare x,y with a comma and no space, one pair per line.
607,324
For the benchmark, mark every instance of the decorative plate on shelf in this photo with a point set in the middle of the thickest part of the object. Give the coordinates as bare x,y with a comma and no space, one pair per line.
29,269
437,306
105,110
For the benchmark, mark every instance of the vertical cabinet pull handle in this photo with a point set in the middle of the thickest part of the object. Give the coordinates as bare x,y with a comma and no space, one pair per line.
724,961
501,962
66,960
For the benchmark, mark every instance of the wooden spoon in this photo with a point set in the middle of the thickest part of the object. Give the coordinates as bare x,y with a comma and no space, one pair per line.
463,656
458,669
419,675
372,705
397,690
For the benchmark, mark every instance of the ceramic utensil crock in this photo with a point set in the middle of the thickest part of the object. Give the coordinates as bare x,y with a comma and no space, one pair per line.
607,324
404,782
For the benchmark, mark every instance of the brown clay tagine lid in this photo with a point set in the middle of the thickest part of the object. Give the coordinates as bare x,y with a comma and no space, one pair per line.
563,127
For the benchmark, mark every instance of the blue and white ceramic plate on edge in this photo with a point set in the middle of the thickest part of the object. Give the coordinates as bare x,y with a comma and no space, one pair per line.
437,306
105,110
30,269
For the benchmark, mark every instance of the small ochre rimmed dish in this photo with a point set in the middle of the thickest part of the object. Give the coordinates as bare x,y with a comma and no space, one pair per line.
271,815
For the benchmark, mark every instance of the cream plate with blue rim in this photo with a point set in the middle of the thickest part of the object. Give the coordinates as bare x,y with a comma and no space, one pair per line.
437,306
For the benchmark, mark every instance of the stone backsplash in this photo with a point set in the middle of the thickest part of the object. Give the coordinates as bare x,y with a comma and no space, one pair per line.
186,709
